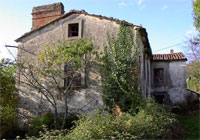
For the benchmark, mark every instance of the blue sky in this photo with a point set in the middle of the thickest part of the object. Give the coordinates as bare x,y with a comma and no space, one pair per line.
168,22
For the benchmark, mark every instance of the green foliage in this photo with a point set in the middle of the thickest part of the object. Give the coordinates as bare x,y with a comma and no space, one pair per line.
196,13
191,126
58,63
8,98
36,126
193,74
47,134
37,123
70,121
193,71
95,126
120,70
159,119
53,57
151,122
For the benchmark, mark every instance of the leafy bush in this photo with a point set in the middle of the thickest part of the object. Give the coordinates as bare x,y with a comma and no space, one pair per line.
47,134
96,126
8,99
152,121
119,70
38,123
70,121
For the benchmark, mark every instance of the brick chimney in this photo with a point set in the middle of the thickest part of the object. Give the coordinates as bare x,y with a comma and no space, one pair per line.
45,14
171,51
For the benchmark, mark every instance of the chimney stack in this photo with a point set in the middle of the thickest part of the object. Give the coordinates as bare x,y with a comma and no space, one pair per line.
171,51
44,14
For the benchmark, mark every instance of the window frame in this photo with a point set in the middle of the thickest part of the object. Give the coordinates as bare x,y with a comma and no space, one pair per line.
71,31
164,77
79,22
77,81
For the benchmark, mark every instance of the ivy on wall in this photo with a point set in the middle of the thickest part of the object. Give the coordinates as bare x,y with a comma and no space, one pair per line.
120,70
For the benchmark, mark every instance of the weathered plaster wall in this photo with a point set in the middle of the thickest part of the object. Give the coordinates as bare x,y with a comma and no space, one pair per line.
177,92
167,82
177,74
174,87
83,99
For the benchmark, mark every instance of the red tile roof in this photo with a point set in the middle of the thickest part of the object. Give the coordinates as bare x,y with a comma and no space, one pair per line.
169,57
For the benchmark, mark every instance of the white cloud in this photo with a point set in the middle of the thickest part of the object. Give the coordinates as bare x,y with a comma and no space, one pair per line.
164,7
122,3
140,2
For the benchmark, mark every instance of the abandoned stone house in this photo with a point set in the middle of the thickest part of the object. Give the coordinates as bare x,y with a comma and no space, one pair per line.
161,75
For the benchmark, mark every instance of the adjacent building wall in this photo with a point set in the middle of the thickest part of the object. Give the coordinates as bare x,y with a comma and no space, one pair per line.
174,87
177,72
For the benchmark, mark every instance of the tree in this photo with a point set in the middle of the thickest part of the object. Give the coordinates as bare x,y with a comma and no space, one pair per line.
196,14
120,70
57,69
8,97
195,41
193,71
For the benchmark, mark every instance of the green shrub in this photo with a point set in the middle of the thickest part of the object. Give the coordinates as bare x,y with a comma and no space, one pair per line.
47,134
36,125
8,99
119,70
95,126
70,121
153,121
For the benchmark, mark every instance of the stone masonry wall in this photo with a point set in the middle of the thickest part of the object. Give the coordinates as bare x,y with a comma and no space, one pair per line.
82,100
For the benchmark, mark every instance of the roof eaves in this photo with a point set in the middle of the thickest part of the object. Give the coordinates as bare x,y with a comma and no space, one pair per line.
75,12
145,40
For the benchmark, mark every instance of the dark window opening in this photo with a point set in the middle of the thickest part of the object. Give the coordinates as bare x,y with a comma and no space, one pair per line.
76,83
72,79
159,98
158,76
73,30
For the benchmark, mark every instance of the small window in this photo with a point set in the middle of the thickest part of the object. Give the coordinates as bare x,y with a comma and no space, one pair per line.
76,83
73,30
158,76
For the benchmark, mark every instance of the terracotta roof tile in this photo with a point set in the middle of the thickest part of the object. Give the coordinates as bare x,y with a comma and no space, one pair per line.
169,57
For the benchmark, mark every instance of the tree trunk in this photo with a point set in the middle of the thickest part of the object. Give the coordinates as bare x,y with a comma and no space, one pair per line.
55,116
66,112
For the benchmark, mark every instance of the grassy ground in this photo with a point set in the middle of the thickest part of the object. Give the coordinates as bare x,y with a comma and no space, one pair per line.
190,123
